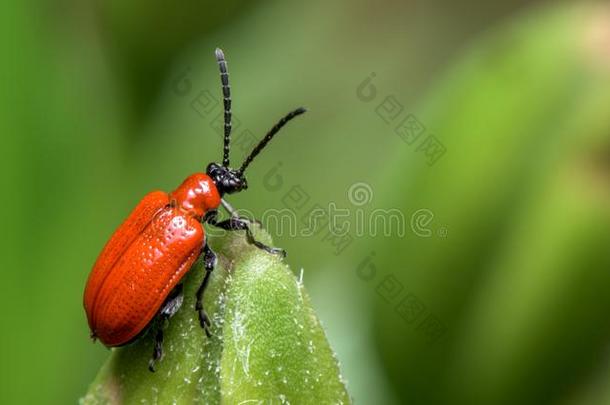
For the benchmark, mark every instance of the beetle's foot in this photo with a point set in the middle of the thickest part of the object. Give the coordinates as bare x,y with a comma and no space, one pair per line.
204,320
205,323
269,249
157,350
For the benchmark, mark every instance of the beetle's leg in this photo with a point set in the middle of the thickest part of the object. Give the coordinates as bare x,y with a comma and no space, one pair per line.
209,262
233,212
157,350
170,307
239,224
210,217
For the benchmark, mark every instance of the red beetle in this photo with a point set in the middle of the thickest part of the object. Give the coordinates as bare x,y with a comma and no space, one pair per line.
136,280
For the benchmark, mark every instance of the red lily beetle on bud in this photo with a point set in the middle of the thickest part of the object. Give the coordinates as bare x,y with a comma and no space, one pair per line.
135,284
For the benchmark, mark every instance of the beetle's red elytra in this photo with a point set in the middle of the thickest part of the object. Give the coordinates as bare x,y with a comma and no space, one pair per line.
146,258
137,277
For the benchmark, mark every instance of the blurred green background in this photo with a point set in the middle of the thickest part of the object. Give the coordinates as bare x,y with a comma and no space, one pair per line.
486,125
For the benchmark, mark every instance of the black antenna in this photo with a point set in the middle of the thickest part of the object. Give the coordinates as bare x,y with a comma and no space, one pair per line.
226,97
268,137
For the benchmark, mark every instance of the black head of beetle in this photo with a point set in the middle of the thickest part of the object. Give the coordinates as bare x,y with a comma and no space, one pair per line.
227,180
